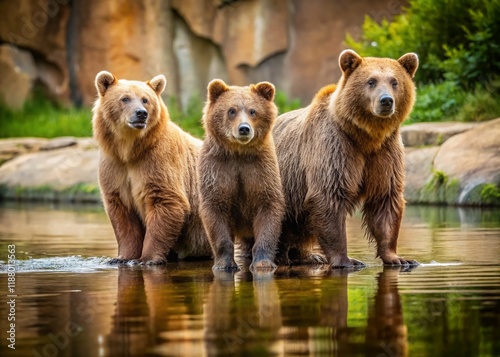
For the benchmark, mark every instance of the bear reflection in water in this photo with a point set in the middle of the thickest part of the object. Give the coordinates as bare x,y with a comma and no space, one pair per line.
237,313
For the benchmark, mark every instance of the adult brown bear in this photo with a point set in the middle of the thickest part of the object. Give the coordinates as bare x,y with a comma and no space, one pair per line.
342,150
147,172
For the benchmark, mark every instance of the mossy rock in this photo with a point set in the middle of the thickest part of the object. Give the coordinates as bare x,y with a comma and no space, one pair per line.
484,195
81,192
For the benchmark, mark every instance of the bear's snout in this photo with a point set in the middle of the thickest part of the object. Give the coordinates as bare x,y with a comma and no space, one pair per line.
141,113
244,130
385,105
244,133
138,121
386,100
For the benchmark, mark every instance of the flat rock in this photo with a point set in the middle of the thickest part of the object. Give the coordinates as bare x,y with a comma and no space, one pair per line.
59,143
421,134
10,148
58,169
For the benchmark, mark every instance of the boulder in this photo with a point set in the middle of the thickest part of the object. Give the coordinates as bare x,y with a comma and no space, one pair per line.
421,134
18,75
470,163
419,169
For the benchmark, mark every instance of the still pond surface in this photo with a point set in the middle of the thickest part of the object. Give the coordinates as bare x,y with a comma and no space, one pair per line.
71,303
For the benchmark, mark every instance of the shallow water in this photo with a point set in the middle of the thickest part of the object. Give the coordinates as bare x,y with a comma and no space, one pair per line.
71,303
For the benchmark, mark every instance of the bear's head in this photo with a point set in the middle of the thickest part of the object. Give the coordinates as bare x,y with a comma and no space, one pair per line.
129,105
377,94
241,116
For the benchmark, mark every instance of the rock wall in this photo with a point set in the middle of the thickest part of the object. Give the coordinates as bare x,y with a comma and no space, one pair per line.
292,43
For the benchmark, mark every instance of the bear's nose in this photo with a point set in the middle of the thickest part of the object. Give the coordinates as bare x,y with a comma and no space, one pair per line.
244,129
386,100
141,113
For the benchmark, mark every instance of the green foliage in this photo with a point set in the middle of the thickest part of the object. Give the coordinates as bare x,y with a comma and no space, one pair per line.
285,104
490,194
42,118
447,101
459,50
455,40
189,119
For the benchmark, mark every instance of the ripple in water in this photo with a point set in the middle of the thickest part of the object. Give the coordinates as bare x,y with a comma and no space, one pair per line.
74,263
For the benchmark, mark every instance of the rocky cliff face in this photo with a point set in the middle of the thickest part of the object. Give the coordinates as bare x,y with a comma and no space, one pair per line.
292,43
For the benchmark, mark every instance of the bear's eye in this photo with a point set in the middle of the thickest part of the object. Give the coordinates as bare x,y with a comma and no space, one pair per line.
231,112
144,100
394,84
252,111
372,83
125,99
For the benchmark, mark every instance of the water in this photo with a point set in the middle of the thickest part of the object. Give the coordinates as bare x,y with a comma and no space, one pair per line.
71,303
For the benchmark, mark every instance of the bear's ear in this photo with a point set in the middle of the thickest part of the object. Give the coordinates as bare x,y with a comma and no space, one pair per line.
215,88
349,61
409,62
158,83
265,90
103,81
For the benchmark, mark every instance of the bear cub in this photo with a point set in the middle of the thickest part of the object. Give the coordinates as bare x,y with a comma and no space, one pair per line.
345,150
241,196
147,172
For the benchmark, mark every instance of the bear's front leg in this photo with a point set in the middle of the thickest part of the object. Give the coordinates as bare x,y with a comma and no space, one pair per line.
128,228
165,216
267,229
217,227
328,225
383,217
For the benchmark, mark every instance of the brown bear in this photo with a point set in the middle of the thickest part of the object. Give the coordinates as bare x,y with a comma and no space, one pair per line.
147,172
342,150
241,198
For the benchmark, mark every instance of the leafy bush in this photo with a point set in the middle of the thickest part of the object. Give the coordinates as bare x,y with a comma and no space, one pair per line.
459,51
455,40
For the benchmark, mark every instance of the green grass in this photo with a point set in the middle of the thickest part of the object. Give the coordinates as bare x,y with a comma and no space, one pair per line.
42,118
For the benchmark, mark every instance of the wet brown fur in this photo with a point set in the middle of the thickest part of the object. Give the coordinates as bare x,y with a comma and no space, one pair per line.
339,153
240,187
147,177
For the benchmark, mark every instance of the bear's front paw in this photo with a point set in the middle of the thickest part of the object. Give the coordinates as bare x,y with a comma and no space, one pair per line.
346,262
262,265
118,261
316,258
155,260
399,261
225,264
